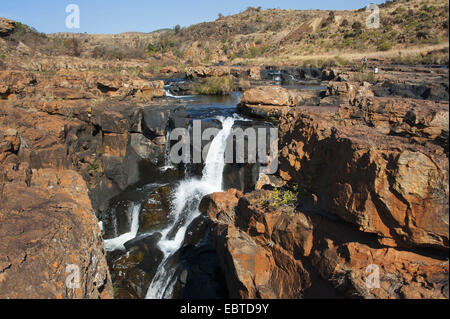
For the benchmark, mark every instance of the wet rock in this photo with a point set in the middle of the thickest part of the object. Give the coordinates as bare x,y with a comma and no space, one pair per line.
132,271
202,277
155,211
241,176
435,92
184,88
147,149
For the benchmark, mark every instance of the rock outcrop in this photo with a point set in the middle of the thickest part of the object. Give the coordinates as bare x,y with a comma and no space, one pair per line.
371,177
372,195
74,85
267,101
51,244
274,253
6,26
68,143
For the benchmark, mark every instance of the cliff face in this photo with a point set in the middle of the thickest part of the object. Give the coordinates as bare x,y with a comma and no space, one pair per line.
371,181
47,225
68,142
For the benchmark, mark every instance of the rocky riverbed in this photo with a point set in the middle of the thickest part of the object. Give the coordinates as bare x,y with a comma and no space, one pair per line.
367,162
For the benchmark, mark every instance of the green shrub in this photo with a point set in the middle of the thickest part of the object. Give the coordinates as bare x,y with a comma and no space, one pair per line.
357,26
282,198
73,46
344,23
94,167
385,46
254,52
215,86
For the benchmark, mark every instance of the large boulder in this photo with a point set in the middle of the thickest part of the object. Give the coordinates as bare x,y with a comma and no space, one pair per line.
382,183
268,95
48,235
267,101
277,253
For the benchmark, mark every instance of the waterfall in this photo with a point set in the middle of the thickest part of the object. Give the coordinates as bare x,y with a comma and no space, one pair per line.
118,242
188,195
167,162
169,94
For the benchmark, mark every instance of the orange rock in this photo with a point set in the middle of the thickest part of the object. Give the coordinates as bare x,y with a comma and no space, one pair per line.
52,226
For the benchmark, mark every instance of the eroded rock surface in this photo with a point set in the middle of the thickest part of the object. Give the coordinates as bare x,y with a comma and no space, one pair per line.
47,224
69,141
372,180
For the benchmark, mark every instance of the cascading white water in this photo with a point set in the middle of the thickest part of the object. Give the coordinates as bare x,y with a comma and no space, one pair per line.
188,195
167,162
118,242
169,94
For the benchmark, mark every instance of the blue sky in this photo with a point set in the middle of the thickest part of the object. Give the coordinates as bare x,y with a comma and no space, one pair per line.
116,16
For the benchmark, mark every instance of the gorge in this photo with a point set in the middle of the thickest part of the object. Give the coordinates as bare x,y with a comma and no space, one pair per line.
349,199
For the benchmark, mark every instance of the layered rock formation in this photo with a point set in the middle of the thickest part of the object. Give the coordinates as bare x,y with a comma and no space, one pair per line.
371,179
267,101
68,143
218,71
47,224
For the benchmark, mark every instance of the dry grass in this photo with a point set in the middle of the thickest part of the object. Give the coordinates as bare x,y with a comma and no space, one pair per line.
273,36
350,57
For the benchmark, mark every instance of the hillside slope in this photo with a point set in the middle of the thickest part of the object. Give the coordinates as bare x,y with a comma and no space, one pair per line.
409,31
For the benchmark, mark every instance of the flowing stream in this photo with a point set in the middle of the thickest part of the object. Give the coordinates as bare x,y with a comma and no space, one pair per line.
161,213
158,242
188,195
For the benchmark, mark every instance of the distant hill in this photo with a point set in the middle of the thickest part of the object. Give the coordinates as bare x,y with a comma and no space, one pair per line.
411,27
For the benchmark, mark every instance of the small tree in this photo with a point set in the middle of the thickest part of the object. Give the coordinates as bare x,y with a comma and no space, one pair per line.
357,26
151,49
73,46
177,29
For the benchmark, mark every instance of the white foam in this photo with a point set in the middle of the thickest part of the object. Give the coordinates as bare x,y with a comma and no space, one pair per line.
188,195
169,94
118,242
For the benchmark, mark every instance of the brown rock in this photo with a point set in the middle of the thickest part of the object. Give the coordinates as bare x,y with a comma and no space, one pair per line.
169,70
6,27
255,73
268,95
52,226
16,83
269,253
364,177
